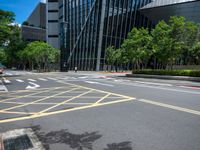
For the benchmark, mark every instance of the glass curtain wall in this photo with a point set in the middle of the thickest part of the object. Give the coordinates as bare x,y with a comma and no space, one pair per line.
88,34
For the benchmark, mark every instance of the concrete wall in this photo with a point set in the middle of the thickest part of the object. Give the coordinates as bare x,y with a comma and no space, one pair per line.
52,23
38,16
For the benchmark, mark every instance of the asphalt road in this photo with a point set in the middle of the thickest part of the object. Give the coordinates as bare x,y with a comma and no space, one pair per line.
101,111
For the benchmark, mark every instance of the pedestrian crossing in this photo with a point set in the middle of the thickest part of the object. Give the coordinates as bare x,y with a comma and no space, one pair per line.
7,81
17,73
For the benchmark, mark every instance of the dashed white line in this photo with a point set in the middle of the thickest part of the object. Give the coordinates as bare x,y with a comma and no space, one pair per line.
91,82
84,77
18,80
32,80
153,83
42,79
52,78
9,74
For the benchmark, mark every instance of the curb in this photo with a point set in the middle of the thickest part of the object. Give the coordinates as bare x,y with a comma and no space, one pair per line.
184,78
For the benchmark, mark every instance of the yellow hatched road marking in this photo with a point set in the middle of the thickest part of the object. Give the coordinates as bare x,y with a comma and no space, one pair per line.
65,102
47,103
63,111
26,91
102,99
21,113
26,104
26,95
96,90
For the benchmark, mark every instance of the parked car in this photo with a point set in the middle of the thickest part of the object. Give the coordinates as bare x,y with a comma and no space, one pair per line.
2,67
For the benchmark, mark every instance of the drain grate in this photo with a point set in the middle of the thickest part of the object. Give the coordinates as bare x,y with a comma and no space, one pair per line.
19,143
21,139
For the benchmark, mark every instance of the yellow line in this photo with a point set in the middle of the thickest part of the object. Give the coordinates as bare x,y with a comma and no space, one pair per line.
63,111
65,102
26,104
47,103
63,97
21,91
26,95
102,99
96,90
170,106
21,113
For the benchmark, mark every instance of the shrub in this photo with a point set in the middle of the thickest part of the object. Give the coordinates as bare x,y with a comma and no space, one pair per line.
191,73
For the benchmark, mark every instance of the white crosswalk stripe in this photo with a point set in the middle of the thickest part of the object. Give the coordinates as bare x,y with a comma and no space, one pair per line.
18,80
32,80
3,87
52,78
42,79
6,81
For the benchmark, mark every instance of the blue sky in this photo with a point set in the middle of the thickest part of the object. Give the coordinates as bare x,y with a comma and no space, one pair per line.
21,8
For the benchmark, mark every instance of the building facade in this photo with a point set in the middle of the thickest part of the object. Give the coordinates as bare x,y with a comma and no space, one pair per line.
53,23
83,29
87,27
35,27
190,9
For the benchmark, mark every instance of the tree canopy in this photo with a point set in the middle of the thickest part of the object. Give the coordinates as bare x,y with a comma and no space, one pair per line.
169,43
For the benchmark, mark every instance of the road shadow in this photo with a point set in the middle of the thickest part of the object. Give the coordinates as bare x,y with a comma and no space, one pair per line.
119,146
75,141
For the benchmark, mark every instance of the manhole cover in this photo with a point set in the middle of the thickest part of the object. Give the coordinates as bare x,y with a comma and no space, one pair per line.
21,139
19,143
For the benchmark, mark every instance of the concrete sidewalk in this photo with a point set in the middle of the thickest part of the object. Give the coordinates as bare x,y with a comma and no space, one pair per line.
167,77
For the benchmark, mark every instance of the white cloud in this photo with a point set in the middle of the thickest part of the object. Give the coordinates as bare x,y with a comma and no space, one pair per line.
43,1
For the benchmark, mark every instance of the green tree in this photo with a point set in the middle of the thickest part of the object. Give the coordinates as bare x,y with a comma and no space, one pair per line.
110,57
14,46
177,25
6,17
168,41
121,58
2,56
40,54
190,38
26,23
138,47
161,44
195,53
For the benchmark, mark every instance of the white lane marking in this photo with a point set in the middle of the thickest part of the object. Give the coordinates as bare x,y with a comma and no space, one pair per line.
6,81
52,78
42,79
84,77
92,82
32,87
9,74
18,80
3,87
32,80
155,87
153,83
170,106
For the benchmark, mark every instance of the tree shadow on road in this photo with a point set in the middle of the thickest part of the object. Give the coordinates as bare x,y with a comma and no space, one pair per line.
75,141
119,146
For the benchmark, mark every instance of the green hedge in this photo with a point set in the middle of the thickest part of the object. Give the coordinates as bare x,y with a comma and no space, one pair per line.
191,73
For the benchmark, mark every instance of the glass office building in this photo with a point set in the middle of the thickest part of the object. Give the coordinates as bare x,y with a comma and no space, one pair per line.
83,29
87,27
